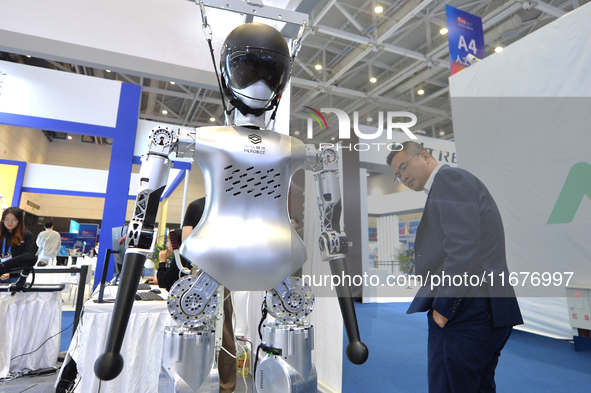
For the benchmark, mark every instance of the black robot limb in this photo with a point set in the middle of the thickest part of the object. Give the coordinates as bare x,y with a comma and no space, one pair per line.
333,243
196,298
153,177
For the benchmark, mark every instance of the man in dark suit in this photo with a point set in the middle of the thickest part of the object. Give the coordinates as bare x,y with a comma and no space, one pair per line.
460,255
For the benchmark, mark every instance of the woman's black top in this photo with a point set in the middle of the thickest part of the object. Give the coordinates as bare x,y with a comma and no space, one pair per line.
27,245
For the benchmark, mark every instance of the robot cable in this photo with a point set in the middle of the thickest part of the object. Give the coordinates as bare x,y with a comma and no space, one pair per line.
263,317
207,32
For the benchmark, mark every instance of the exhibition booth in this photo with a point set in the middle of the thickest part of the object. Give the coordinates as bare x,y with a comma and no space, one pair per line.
520,125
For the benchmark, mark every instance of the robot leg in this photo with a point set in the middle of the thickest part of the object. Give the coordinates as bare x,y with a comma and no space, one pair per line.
288,341
188,356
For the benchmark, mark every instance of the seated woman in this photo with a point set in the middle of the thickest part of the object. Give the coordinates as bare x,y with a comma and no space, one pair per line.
17,242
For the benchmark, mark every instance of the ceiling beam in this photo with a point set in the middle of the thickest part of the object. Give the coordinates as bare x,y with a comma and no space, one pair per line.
404,19
350,17
369,41
344,92
547,8
257,8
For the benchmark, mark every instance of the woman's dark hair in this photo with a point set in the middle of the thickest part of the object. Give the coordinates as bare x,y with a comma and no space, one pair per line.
18,234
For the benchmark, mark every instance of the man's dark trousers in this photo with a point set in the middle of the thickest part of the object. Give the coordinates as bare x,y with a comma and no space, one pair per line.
460,353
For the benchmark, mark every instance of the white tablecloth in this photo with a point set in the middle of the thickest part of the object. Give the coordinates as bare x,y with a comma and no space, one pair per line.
26,321
141,350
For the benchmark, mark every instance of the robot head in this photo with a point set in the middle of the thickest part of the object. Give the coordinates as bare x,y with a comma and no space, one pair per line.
255,66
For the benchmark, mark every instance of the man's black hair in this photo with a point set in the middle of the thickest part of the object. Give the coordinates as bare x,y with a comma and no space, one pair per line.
409,147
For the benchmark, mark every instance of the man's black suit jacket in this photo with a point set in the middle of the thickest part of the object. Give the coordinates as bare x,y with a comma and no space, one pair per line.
461,232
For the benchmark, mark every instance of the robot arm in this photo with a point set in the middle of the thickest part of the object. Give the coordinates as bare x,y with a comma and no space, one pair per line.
141,236
333,242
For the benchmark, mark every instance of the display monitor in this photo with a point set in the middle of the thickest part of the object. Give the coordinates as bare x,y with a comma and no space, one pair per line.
118,247
117,250
74,226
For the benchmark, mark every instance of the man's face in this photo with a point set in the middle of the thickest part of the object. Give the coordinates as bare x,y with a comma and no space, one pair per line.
414,170
294,223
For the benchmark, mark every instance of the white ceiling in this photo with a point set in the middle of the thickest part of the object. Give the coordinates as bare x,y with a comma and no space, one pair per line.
401,47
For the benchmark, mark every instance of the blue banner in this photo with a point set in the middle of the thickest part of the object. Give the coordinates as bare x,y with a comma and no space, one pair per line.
84,244
86,237
465,36
68,241
413,227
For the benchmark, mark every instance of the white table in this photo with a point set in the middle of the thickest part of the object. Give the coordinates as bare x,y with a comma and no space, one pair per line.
26,321
64,275
141,350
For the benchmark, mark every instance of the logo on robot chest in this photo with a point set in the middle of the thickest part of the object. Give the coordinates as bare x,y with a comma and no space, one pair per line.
254,148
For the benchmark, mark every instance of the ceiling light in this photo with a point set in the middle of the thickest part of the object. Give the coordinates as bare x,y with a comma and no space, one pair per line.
443,31
332,138
172,82
296,133
373,79
441,133
421,92
318,67
108,70
379,9
368,174
212,119
369,119
29,56
499,49
69,136
164,112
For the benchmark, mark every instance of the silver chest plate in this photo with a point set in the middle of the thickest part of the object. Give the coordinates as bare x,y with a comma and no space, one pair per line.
245,240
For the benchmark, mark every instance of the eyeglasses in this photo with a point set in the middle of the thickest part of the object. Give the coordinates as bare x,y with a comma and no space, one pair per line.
402,169
10,221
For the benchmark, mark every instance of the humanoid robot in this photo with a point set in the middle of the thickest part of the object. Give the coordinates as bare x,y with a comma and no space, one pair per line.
244,240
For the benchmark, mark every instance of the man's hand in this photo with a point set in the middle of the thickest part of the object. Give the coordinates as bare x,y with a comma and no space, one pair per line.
5,276
163,255
152,281
439,319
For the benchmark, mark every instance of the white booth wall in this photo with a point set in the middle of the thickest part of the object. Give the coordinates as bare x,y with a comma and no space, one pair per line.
88,33
31,146
521,123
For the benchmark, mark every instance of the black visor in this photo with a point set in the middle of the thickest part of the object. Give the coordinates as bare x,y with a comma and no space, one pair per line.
244,66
